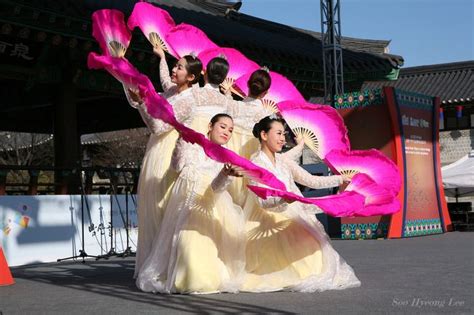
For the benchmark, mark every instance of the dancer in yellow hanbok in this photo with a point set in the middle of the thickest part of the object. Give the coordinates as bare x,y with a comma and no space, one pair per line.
243,142
200,245
287,247
156,176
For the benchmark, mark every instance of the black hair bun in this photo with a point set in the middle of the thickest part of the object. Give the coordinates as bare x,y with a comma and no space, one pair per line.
256,130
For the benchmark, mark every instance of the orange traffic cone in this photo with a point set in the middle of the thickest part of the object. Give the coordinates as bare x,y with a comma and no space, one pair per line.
5,274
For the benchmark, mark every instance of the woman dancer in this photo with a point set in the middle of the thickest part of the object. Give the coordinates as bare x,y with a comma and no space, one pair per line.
199,248
243,142
287,248
156,176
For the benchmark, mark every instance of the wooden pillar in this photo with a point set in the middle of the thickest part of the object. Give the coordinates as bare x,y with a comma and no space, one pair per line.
66,140
89,182
33,184
3,182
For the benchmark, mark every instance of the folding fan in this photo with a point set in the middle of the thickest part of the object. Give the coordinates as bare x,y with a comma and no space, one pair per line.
321,127
280,90
371,162
109,29
185,39
345,204
378,200
154,22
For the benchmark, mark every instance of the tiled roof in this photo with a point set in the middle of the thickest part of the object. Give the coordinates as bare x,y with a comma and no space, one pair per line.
452,82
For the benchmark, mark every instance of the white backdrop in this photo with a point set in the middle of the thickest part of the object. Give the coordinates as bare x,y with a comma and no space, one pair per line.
54,226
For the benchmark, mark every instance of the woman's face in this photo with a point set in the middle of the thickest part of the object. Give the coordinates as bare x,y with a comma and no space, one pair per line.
274,139
221,131
179,74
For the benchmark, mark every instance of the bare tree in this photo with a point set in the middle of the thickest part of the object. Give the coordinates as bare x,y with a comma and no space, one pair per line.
25,149
120,149
18,148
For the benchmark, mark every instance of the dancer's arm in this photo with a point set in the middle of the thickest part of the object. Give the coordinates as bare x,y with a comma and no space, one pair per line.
165,78
295,153
223,179
136,102
182,110
301,176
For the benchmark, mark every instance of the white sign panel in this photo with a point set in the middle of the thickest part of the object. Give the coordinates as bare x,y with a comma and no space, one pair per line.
46,228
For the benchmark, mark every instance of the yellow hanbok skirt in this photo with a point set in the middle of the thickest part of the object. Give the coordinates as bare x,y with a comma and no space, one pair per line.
290,251
154,186
200,248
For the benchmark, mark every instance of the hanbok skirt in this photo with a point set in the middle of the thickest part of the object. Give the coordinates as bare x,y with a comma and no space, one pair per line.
154,186
290,251
200,247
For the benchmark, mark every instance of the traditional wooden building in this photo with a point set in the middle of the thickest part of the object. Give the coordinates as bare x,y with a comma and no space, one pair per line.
47,88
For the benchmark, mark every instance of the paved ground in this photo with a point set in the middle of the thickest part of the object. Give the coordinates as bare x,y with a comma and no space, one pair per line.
432,274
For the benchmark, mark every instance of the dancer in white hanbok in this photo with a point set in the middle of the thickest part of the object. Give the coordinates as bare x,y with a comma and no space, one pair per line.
243,142
200,245
287,247
156,176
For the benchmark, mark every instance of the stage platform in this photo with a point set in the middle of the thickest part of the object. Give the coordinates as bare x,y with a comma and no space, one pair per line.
430,274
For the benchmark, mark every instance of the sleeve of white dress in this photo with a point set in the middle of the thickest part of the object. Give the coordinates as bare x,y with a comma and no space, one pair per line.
275,203
220,183
129,98
152,124
301,176
294,154
165,78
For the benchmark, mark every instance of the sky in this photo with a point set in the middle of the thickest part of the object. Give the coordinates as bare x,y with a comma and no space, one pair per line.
424,32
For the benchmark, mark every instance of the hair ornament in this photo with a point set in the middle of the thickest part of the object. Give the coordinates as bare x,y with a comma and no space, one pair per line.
265,68
221,55
274,116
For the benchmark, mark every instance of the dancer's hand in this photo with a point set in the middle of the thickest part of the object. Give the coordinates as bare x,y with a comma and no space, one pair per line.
343,186
158,51
230,170
289,200
347,178
134,95
299,139
226,85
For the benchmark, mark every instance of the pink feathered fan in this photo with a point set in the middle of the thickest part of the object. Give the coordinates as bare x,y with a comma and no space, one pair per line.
378,200
185,39
154,22
321,127
371,162
110,31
